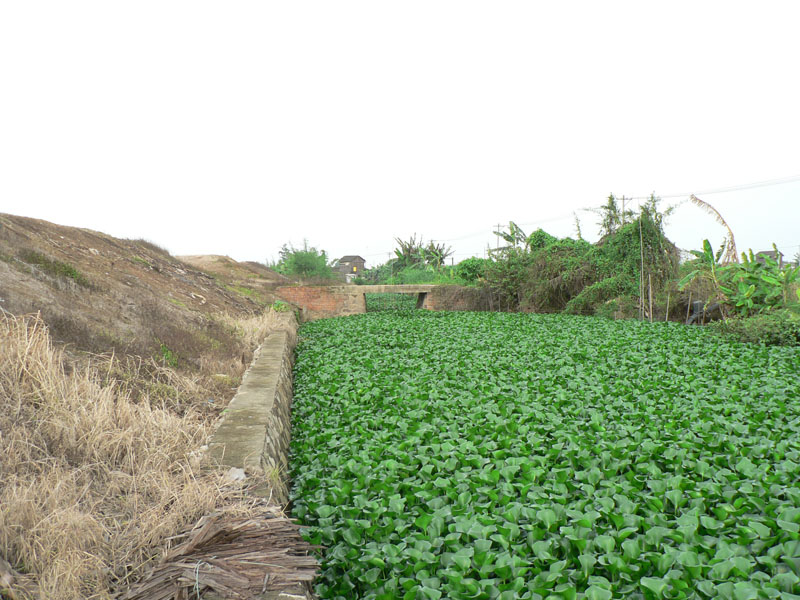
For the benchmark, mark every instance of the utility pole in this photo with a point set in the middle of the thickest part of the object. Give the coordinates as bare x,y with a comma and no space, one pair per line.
499,225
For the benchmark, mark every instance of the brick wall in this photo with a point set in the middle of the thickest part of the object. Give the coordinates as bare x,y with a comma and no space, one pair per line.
320,302
453,297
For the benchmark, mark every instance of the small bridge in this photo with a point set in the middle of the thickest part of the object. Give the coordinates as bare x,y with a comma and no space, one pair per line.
421,291
319,302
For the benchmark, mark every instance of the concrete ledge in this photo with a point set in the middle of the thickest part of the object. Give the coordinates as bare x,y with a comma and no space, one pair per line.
255,432
388,289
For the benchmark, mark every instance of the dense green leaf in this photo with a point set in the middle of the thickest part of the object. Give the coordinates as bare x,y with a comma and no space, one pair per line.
480,455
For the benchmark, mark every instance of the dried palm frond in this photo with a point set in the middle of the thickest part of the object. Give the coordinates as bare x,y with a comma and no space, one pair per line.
730,244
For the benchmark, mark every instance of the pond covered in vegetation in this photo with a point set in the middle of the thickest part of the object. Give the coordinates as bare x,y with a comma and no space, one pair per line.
488,455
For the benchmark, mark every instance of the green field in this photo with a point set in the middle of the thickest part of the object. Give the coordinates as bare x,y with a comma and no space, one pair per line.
495,455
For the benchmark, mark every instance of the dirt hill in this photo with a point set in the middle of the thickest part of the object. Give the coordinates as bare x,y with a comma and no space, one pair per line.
99,293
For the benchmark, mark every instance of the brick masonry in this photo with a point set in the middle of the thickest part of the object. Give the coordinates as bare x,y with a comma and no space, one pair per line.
320,302
455,297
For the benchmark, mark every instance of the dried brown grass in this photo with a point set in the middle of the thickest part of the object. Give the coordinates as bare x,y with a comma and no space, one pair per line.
92,481
253,329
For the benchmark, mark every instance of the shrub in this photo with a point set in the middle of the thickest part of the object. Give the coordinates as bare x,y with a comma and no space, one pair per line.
472,269
304,262
747,288
506,274
775,328
280,306
540,239
559,272
391,273
552,275
596,295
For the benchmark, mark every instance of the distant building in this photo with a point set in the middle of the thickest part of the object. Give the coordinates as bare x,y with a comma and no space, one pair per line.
776,256
351,266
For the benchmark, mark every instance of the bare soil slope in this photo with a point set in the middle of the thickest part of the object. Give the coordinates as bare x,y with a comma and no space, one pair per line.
251,279
99,293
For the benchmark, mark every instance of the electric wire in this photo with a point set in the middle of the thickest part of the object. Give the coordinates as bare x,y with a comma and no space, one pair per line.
686,195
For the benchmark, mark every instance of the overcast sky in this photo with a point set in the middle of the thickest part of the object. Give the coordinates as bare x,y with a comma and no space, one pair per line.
235,127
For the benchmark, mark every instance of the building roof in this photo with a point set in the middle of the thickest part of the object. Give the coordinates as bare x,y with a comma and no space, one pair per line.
351,258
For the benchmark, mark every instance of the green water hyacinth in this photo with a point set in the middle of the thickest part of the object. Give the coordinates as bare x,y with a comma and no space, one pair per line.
504,456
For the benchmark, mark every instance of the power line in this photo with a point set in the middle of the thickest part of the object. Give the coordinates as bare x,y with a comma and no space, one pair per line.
744,186
732,188
463,237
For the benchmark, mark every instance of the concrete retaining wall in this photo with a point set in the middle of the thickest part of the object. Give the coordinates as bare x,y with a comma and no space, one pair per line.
255,432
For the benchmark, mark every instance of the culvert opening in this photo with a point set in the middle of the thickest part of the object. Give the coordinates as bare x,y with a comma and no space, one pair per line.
394,301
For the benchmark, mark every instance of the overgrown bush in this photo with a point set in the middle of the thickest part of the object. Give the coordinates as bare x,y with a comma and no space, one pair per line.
305,262
559,272
472,269
505,276
640,245
553,275
540,239
592,297
775,328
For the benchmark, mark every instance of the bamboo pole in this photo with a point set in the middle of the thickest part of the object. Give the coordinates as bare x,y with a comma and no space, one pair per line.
689,307
666,314
650,294
641,272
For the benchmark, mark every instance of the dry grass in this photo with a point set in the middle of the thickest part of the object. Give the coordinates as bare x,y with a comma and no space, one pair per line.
252,330
93,477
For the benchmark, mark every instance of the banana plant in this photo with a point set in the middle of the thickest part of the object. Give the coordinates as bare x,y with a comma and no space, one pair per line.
708,268
760,285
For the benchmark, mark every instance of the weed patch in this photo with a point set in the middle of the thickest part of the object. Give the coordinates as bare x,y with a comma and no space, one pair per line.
139,260
53,267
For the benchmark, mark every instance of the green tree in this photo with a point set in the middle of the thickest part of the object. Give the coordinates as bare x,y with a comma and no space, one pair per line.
408,253
414,253
436,254
612,217
515,237
304,262
472,269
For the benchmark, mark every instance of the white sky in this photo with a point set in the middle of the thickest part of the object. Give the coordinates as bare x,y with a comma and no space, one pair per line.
234,127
